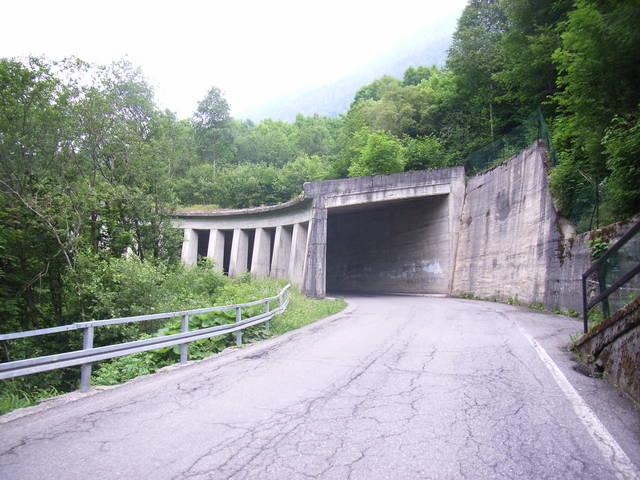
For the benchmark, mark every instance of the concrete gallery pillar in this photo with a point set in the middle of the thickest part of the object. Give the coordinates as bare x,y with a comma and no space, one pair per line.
239,253
298,253
190,247
315,271
281,253
261,252
215,249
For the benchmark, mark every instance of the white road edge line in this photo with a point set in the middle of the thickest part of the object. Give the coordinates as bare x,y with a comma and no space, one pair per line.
620,462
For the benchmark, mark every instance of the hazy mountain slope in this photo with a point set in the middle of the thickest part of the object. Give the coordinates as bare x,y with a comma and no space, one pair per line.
426,48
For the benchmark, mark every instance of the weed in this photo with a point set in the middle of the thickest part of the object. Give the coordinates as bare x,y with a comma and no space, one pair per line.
513,300
536,307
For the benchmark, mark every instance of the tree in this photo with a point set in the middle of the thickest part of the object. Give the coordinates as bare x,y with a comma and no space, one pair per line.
211,116
425,152
304,168
415,75
597,92
528,74
375,89
376,153
474,58
622,148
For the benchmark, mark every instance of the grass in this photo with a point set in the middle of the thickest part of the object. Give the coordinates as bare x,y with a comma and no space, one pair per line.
302,311
197,208
13,396
536,307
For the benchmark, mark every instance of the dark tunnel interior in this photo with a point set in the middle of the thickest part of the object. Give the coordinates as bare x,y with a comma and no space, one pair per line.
392,247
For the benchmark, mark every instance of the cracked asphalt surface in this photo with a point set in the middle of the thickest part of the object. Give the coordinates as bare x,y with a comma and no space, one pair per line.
396,387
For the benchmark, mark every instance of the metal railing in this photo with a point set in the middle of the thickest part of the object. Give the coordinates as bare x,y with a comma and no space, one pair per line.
90,354
601,269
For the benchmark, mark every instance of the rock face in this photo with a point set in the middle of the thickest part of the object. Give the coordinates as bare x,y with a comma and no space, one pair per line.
508,232
613,349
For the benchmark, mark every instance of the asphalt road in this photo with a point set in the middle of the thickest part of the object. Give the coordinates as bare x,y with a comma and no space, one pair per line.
396,387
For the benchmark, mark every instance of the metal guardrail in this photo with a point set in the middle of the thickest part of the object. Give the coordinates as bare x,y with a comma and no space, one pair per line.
599,268
90,354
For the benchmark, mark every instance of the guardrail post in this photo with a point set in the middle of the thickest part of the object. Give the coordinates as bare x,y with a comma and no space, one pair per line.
239,332
85,369
184,347
266,310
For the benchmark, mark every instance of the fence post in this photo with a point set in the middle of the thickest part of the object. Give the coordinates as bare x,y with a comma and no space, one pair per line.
85,369
585,310
239,332
266,310
184,347
602,286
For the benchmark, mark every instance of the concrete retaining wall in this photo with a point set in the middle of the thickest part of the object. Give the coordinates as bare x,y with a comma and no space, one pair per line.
564,282
508,232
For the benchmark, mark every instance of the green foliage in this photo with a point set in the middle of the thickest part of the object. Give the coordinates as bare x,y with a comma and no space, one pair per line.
415,75
622,149
513,300
302,311
376,89
598,247
305,168
126,368
425,152
376,153
572,313
474,58
536,307
13,395
597,76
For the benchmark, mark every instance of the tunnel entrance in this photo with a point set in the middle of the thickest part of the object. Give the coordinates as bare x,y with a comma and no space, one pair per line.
389,247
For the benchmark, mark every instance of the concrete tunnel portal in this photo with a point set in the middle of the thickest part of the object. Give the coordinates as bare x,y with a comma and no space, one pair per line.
382,234
400,246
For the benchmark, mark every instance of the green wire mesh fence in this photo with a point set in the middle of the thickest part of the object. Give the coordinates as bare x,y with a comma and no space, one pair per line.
511,143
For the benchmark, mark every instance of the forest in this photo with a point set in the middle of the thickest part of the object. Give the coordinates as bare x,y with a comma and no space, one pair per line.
92,168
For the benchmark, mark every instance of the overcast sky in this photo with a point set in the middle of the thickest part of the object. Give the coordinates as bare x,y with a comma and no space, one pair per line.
253,50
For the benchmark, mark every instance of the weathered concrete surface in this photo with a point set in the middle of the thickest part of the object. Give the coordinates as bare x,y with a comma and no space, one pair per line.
401,387
281,252
215,249
509,236
360,268
315,271
565,276
260,263
401,247
298,254
189,247
239,253
613,349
